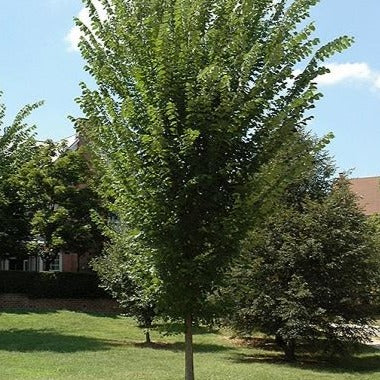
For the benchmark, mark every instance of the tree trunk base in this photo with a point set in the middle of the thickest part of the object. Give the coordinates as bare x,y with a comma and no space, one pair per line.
288,347
147,337
189,355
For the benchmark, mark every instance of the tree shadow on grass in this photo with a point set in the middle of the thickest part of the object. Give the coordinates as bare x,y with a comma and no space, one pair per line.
174,328
266,344
54,311
180,347
30,340
367,362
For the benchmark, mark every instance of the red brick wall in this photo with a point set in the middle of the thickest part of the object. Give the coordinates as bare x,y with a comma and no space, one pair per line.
20,301
70,262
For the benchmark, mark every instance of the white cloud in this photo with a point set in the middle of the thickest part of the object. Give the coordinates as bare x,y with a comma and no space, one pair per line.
350,72
340,72
73,36
377,82
358,72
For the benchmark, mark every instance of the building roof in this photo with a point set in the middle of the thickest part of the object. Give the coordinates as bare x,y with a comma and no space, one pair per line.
368,191
72,142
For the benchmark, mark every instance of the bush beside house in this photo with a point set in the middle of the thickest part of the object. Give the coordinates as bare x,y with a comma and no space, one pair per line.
59,285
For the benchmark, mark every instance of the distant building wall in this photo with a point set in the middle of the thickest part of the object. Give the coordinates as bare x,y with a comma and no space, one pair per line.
367,190
64,262
69,262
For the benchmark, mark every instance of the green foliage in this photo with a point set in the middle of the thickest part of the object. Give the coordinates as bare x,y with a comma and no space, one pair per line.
127,272
309,273
374,225
55,186
17,140
51,284
194,99
17,146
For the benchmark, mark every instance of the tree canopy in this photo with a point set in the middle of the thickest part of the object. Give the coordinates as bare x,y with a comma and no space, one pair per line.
55,187
311,272
17,144
194,100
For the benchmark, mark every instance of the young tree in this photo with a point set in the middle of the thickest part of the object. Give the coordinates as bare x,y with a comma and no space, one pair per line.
17,145
127,272
194,99
311,272
55,186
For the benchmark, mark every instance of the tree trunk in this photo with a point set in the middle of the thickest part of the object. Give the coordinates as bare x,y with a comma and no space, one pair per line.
189,357
147,336
288,347
289,350
279,341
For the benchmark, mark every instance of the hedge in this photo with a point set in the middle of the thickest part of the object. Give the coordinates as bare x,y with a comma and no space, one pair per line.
51,284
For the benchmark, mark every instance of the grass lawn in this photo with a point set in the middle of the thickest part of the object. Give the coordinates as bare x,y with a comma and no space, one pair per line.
68,345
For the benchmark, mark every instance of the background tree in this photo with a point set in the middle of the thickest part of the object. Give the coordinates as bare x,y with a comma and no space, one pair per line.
311,272
374,225
193,100
127,272
55,185
17,145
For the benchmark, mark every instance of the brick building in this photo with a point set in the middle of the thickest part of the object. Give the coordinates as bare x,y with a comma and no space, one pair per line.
367,190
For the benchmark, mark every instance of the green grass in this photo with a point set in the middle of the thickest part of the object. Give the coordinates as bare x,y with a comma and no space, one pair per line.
68,345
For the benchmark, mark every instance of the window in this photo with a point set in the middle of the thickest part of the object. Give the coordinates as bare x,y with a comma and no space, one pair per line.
15,263
56,264
4,264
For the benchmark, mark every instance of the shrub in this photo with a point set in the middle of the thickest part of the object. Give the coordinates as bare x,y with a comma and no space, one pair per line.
51,284
310,273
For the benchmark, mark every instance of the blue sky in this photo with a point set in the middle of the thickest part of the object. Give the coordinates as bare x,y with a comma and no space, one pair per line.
38,61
